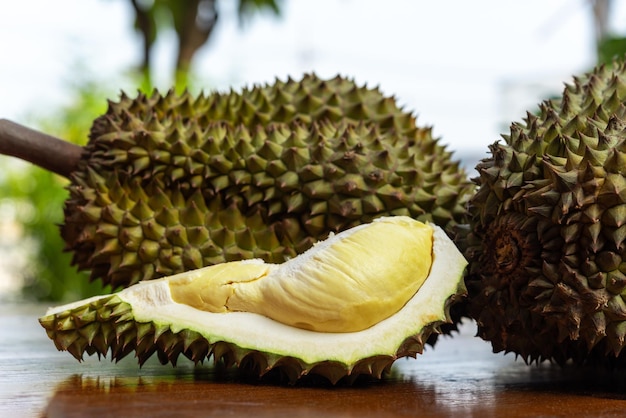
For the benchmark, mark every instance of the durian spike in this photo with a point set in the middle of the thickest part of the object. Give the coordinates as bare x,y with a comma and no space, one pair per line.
46,151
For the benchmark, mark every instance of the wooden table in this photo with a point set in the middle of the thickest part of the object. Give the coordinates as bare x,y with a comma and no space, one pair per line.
461,377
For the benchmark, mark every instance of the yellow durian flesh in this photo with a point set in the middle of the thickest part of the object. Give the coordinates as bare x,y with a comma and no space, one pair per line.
210,288
347,283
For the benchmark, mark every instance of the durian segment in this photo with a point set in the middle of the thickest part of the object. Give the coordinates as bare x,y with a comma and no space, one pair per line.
346,283
144,318
174,182
547,275
213,288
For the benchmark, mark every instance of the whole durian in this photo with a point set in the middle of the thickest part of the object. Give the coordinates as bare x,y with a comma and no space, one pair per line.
169,183
547,250
349,306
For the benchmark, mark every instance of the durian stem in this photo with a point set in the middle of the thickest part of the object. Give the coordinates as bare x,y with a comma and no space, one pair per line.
46,151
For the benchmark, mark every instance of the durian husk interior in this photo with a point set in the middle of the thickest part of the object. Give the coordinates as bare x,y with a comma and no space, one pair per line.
547,243
172,182
156,317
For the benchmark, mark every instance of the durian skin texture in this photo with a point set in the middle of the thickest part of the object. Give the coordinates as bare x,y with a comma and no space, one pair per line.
547,275
172,182
152,317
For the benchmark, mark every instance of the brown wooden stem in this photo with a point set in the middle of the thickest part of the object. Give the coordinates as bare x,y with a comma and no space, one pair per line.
46,151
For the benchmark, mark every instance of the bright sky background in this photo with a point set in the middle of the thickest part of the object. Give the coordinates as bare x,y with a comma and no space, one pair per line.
467,68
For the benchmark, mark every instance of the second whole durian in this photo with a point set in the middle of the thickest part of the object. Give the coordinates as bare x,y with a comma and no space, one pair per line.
547,247
169,183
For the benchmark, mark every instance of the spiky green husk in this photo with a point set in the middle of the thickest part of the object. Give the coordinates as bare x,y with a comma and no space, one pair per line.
170,183
547,276
107,326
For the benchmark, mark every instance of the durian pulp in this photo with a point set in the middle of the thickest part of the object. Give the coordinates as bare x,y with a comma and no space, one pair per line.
346,283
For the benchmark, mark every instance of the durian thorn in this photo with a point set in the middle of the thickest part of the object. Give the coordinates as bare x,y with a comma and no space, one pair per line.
48,152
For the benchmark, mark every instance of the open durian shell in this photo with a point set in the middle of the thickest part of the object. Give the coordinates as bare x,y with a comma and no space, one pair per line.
145,319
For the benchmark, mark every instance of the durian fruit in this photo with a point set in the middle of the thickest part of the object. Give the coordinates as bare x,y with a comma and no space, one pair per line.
547,275
349,306
169,183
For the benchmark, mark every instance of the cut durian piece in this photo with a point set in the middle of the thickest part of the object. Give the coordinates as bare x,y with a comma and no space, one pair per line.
350,305
547,242
170,182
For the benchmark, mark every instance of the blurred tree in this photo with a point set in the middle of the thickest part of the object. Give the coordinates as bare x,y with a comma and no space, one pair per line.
609,45
601,10
193,22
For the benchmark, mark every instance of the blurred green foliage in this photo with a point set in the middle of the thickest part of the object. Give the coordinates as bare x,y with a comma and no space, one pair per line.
611,48
38,198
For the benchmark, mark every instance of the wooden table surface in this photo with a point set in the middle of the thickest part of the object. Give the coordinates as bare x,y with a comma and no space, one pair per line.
460,377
